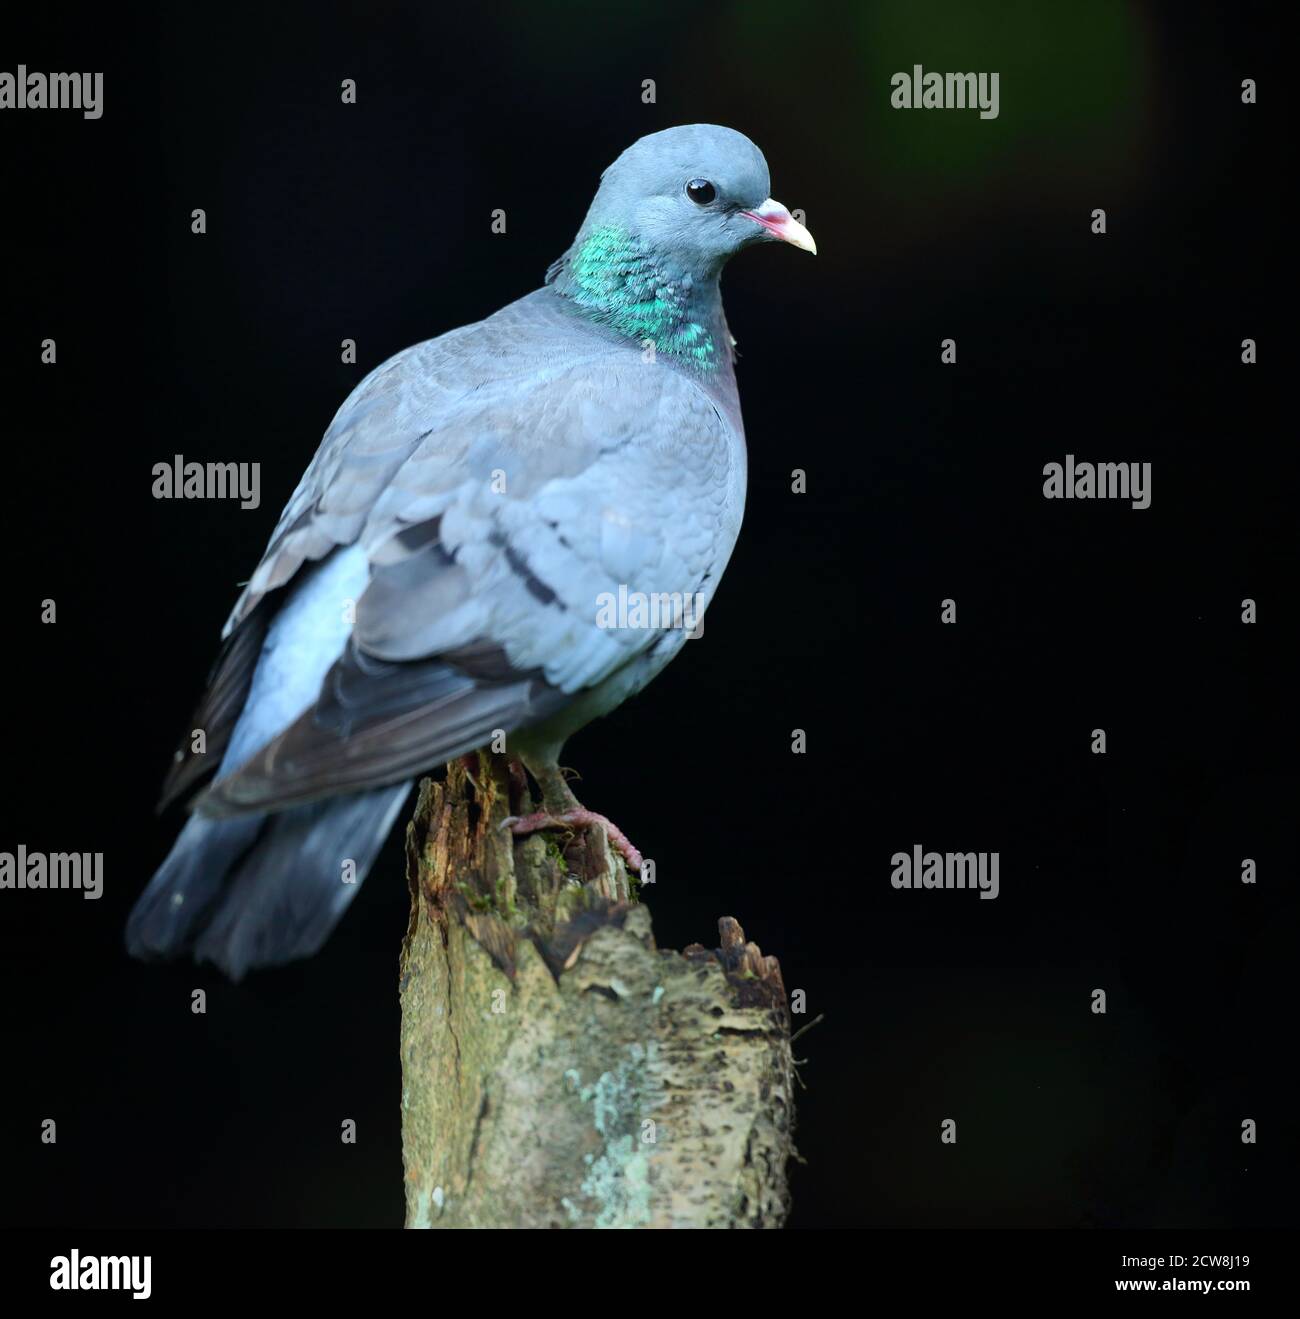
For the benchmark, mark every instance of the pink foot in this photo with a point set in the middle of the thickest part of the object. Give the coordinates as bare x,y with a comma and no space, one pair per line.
578,817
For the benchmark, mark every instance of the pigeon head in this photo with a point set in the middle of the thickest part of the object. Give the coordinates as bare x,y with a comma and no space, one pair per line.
695,195
669,213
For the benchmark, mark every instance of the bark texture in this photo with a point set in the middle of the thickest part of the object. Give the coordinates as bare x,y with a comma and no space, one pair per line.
559,1070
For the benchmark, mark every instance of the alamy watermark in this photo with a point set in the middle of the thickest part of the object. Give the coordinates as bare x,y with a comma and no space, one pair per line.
652,609
919,869
75,1272
53,870
945,91
52,91
181,480
1074,480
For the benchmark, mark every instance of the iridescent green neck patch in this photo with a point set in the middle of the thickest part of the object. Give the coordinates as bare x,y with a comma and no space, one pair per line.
611,275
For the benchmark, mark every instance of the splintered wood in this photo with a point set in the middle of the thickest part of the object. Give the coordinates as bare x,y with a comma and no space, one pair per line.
560,1070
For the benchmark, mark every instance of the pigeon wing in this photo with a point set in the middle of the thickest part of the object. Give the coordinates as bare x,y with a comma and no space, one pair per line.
505,482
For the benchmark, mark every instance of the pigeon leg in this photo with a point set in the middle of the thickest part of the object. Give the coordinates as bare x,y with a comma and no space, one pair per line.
576,819
562,810
557,796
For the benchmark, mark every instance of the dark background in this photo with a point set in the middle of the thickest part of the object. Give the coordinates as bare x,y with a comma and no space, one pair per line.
371,222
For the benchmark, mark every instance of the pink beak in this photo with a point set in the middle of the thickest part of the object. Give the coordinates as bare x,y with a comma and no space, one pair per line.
781,224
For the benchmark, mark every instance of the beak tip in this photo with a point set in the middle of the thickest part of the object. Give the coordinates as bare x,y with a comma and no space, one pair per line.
781,224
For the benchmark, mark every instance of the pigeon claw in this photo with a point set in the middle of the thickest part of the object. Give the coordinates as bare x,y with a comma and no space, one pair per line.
576,819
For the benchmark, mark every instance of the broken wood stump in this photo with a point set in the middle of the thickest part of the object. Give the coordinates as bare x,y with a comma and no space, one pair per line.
560,1070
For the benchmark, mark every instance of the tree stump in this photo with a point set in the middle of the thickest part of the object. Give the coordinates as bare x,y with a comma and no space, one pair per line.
559,1070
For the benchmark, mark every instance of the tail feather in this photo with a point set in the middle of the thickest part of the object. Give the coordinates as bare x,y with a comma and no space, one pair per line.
260,890
180,897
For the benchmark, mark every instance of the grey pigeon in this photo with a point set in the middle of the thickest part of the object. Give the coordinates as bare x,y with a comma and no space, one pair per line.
438,574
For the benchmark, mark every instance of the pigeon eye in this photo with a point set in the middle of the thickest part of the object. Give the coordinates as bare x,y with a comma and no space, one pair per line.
701,191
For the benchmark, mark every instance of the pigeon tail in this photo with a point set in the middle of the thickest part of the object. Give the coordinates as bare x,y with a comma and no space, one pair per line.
261,890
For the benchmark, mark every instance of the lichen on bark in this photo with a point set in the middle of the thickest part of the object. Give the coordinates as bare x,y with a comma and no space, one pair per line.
560,1070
